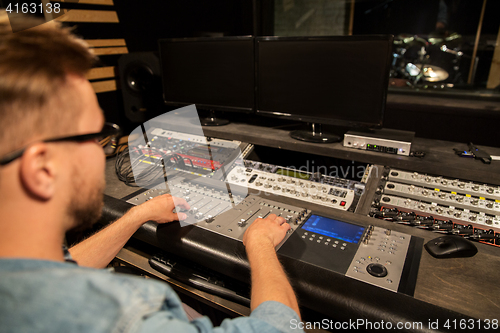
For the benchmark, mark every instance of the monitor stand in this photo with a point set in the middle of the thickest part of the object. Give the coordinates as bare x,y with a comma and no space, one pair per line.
315,134
211,120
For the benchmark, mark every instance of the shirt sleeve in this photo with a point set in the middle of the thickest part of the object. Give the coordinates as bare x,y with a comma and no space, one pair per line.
268,317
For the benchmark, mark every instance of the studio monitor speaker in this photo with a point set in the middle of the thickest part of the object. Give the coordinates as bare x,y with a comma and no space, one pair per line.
141,84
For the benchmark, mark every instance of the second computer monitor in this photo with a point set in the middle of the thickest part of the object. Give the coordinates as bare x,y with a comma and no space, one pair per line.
337,80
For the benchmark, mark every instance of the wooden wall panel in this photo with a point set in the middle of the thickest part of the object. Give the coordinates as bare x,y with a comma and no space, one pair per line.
110,50
494,76
104,86
84,15
88,2
106,42
101,73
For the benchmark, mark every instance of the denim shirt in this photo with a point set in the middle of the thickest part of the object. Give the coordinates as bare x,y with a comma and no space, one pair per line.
48,296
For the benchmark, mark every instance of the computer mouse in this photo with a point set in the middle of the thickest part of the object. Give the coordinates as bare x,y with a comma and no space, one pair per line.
450,247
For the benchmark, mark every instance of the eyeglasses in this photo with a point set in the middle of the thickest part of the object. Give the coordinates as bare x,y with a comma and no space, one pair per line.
107,137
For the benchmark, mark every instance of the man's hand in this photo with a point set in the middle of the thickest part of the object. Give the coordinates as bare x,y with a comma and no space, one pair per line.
271,229
160,209
269,281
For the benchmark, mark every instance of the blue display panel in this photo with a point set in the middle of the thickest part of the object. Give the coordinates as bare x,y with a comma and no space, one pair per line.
332,228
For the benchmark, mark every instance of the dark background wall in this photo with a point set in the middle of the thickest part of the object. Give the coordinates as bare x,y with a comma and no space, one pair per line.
142,23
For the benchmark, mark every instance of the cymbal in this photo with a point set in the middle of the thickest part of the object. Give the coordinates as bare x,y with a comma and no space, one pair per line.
433,73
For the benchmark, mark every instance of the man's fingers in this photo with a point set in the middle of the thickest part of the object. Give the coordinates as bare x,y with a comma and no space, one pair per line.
285,226
180,202
280,220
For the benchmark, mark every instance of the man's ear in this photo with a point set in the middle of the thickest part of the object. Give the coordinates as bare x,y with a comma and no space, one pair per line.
37,171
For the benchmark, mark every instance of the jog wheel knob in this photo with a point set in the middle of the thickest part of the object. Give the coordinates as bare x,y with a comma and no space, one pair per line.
376,270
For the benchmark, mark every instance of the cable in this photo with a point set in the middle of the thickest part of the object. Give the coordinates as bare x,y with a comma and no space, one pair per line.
135,171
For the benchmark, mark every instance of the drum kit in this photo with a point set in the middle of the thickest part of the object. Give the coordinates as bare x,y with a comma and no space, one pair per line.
431,60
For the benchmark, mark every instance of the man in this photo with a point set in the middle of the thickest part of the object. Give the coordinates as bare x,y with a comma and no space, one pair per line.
49,186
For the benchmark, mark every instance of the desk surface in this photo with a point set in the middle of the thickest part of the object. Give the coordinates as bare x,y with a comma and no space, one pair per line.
467,285
440,159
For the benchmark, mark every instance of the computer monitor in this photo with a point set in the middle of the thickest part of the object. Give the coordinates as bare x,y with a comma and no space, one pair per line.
213,73
336,80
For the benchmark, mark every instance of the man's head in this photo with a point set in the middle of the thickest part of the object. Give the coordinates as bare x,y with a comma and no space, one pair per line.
44,94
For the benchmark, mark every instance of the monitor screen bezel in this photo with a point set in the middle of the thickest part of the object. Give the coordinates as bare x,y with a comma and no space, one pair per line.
247,110
323,120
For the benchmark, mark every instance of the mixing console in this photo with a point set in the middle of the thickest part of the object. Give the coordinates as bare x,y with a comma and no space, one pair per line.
183,152
316,188
440,204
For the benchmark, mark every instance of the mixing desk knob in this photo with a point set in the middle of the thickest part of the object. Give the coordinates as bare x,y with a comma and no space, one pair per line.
415,175
276,188
388,232
267,185
304,194
490,190
473,217
242,223
475,202
489,205
475,187
460,199
461,185
425,192
428,179
257,183
281,179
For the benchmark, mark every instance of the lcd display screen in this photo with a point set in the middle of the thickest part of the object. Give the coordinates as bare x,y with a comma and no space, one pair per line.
332,228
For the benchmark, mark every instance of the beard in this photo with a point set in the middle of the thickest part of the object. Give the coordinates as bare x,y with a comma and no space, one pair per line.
85,207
